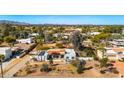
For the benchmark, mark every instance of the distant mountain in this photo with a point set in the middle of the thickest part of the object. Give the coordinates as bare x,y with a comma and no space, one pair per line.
48,24
13,22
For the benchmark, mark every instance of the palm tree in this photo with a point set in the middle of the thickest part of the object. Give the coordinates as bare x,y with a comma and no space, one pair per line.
1,59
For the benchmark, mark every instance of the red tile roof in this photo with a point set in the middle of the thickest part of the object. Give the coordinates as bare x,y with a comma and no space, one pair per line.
52,51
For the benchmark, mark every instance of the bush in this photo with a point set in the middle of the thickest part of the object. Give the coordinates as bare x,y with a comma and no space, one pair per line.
122,60
79,65
103,62
79,70
115,71
102,71
45,68
89,52
74,63
51,60
9,39
95,57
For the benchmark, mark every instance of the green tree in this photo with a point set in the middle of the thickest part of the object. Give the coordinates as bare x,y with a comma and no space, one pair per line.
103,36
38,39
6,29
51,60
10,40
89,52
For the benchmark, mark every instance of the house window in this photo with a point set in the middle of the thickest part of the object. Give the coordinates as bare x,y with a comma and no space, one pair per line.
62,56
72,57
67,57
119,52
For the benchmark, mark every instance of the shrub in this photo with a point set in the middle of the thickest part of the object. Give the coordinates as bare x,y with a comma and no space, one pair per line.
79,70
102,71
95,57
51,60
74,63
103,62
115,71
122,60
45,68
36,65
79,65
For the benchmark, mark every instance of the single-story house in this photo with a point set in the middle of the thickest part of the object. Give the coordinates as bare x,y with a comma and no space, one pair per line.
93,33
85,58
114,53
6,51
57,55
117,42
34,34
27,40
87,42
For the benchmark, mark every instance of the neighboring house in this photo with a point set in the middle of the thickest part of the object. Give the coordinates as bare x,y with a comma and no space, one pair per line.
85,58
27,40
117,42
34,34
15,48
115,53
93,33
6,51
66,35
87,42
57,35
57,55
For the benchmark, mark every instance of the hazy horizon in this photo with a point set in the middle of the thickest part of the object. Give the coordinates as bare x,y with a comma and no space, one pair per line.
67,19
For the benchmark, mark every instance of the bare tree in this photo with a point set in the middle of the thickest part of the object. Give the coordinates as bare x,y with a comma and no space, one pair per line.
76,39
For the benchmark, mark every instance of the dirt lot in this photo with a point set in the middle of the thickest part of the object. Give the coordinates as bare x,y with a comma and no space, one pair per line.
63,70
120,67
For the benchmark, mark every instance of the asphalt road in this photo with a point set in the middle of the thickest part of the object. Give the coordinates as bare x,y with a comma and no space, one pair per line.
17,67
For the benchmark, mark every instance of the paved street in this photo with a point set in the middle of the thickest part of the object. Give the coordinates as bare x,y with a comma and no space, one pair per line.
14,66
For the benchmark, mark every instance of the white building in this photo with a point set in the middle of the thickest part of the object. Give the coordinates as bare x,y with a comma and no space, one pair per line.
117,42
34,34
6,51
94,33
27,40
114,53
57,55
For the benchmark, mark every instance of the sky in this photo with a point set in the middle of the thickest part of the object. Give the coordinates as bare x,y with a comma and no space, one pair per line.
66,19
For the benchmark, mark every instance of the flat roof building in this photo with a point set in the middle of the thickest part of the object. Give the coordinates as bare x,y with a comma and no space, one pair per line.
6,51
27,40
114,53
